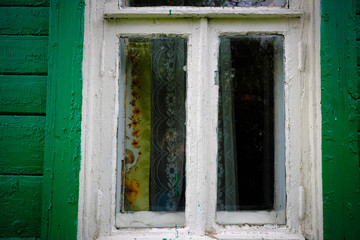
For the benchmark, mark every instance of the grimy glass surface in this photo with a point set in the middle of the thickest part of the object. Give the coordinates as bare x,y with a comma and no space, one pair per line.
246,122
206,3
153,165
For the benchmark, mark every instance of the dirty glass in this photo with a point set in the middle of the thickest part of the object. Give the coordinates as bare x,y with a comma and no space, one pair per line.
246,121
153,162
207,3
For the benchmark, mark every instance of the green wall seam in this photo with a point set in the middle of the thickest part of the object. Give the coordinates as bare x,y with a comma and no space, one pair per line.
63,121
339,94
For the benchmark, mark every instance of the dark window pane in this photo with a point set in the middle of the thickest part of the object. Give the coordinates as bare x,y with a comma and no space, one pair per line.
154,142
207,3
246,122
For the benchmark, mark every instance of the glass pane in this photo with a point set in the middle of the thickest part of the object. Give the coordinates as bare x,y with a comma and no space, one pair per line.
246,122
206,3
153,177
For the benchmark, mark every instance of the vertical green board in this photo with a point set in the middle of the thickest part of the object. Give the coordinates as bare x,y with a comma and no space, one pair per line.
63,120
339,94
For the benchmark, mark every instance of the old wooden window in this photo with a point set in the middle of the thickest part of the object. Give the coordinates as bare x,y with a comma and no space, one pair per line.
236,162
158,77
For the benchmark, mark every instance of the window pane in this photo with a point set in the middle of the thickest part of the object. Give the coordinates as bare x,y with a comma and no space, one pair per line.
209,3
246,121
153,174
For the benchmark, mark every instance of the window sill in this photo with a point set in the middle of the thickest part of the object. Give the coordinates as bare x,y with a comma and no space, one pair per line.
113,11
251,217
144,219
243,232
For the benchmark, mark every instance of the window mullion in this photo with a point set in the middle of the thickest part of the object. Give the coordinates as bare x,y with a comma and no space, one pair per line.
197,128
212,113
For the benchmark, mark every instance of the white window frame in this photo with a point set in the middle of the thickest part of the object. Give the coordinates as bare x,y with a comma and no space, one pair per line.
101,109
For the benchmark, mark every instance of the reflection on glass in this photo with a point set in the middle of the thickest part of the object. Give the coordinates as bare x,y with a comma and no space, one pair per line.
153,177
246,122
206,3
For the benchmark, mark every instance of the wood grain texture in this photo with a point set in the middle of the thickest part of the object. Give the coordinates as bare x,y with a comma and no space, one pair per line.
20,206
339,95
22,144
22,94
23,54
45,3
24,20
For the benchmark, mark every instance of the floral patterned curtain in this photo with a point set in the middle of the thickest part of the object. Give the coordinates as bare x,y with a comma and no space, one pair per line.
155,125
137,126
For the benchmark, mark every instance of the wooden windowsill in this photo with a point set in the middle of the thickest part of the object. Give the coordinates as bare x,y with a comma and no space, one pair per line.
114,11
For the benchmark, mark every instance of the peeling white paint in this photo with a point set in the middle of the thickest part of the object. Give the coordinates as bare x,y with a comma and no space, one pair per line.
113,11
150,219
301,202
97,218
300,54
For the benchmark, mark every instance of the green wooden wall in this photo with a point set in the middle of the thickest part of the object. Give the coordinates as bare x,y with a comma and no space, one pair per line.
340,118
40,117
24,28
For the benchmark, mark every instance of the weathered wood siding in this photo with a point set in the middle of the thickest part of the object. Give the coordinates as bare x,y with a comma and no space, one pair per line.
24,29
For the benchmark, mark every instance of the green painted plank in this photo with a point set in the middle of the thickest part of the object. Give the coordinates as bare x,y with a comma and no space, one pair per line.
20,238
20,206
23,54
22,144
63,121
22,94
24,20
358,52
24,3
358,26
340,161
